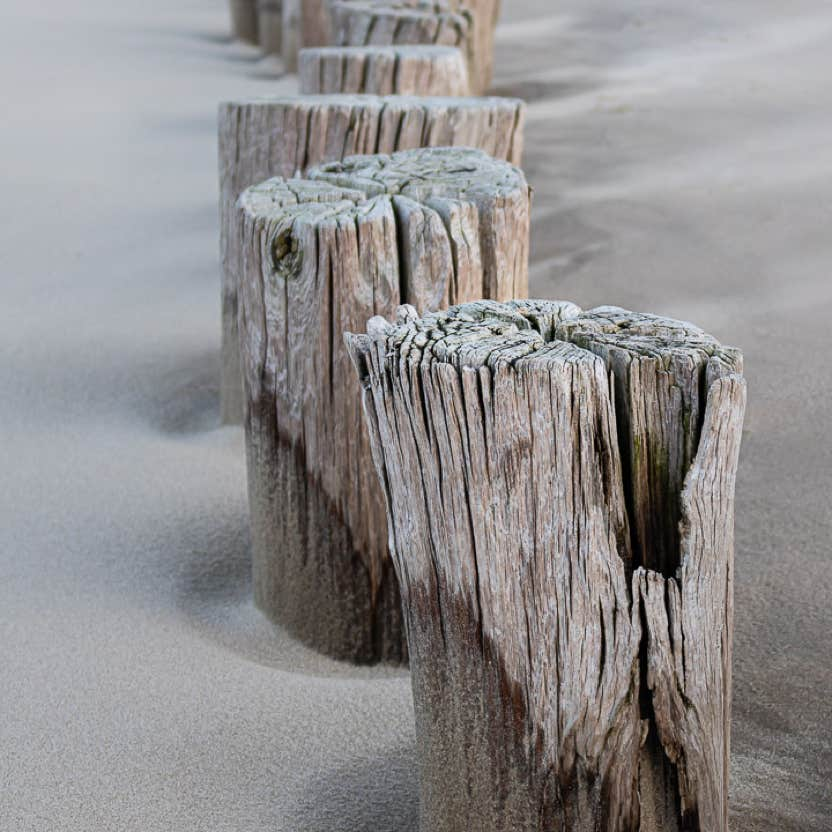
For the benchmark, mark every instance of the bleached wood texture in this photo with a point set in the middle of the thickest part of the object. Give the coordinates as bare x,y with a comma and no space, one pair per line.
315,23
448,23
319,257
570,645
283,136
270,26
244,20
290,34
380,70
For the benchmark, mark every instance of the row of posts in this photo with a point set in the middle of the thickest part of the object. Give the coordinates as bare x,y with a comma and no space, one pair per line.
529,502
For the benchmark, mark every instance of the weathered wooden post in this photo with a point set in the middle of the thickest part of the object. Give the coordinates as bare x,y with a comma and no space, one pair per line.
466,24
270,25
429,227
282,136
379,23
384,70
315,23
291,33
560,494
244,20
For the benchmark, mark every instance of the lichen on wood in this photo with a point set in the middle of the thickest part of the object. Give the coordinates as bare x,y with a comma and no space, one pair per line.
561,680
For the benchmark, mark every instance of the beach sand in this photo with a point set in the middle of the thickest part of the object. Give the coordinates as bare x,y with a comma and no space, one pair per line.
682,163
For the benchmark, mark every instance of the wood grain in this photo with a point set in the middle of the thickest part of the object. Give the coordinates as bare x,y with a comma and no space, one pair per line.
449,23
315,23
380,70
320,257
561,681
282,136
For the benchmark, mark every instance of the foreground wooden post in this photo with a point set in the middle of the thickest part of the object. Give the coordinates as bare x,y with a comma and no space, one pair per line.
270,26
244,20
569,671
320,257
283,136
393,70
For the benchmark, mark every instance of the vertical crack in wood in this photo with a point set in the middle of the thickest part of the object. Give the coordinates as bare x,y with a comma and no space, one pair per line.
558,684
325,254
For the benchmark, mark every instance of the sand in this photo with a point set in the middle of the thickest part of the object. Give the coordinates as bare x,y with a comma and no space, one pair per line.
682,162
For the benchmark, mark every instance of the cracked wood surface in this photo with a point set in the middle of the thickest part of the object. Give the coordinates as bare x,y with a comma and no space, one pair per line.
320,257
561,679
468,26
391,70
284,136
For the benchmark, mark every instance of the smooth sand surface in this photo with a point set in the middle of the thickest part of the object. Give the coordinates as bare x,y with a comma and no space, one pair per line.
682,160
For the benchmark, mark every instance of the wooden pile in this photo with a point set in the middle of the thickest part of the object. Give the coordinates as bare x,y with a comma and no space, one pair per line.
286,27
557,485
320,256
285,136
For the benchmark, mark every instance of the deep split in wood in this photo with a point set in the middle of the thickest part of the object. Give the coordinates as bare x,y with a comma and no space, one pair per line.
560,491
384,70
284,136
319,257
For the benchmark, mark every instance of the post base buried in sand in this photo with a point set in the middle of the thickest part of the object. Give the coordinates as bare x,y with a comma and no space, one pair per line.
560,494
319,257
283,136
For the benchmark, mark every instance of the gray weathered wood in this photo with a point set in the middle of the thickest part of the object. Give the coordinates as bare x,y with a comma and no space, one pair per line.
270,26
320,257
244,20
283,136
380,70
315,23
570,645
466,24
379,23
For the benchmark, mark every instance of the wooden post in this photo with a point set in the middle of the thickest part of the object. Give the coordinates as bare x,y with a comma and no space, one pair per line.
244,20
379,23
270,25
320,257
392,70
291,34
570,643
315,23
283,136
485,14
